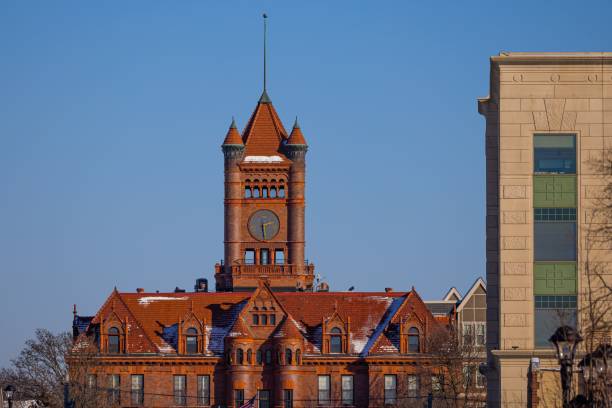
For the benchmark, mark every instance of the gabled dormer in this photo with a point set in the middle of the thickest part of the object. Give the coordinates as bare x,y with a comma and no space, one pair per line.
191,334
335,334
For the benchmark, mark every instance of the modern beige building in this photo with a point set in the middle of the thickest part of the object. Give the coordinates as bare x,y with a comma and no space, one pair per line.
548,129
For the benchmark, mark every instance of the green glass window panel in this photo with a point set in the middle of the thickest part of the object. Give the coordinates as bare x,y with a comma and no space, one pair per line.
554,191
554,141
554,278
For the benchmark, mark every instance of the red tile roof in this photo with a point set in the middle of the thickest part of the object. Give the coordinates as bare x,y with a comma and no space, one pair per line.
296,137
154,317
233,137
264,133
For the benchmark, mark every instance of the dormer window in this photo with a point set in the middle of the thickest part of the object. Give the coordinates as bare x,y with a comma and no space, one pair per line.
191,341
113,340
335,340
414,345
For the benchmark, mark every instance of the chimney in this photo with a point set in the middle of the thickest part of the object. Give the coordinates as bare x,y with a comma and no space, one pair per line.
388,290
201,285
139,290
179,290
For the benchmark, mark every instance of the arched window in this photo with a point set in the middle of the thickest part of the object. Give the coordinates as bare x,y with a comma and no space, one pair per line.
298,356
264,192
259,357
255,192
268,356
335,340
255,319
288,356
191,341
281,192
113,340
239,356
272,192
249,356
413,340
247,192
264,319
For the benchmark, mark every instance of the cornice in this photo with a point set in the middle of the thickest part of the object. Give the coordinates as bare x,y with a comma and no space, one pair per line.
553,58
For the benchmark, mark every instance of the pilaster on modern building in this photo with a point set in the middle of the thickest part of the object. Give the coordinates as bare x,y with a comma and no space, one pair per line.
548,126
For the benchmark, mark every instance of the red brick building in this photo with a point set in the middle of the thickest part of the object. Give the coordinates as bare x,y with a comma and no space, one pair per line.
266,332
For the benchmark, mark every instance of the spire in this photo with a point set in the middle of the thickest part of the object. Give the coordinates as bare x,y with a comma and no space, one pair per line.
296,137
264,96
233,137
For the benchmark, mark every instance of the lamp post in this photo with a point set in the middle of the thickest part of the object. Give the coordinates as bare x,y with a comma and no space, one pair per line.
597,374
9,391
565,340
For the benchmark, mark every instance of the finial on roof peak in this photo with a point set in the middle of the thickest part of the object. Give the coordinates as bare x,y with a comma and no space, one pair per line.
296,125
233,125
265,98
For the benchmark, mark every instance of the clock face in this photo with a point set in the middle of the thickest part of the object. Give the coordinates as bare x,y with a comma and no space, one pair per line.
264,225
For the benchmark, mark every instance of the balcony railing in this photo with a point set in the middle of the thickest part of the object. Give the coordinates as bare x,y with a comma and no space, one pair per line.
271,269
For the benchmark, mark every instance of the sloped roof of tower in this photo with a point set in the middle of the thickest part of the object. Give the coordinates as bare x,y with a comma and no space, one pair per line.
264,133
233,137
240,330
296,137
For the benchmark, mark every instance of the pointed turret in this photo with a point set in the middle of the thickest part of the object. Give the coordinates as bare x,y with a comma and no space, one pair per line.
233,137
296,137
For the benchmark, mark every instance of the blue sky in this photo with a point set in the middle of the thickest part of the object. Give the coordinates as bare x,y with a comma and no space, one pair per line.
112,114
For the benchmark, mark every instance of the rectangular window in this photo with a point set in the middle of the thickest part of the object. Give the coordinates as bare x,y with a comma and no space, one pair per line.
550,313
555,214
180,390
137,389
413,386
555,240
92,381
481,329
468,333
390,389
249,256
279,256
437,384
324,389
264,399
114,389
347,390
555,154
204,389
480,379
238,398
265,257
288,398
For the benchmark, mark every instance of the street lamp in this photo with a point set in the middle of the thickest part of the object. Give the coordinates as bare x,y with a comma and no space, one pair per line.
9,391
597,372
565,340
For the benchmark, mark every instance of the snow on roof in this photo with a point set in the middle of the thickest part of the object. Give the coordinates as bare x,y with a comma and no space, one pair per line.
263,159
395,303
149,299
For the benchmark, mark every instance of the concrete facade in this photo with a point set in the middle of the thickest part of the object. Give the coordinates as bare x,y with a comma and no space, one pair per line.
537,94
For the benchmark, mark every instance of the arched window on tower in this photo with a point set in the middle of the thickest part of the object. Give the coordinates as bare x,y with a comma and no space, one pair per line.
268,356
272,192
259,357
413,340
113,340
298,356
247,192
288,356
255,192
264,192
249,356
281,191
239,356
191,340
335,340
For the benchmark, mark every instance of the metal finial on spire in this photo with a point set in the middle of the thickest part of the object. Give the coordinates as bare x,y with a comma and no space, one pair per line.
264,96
233,125
296,125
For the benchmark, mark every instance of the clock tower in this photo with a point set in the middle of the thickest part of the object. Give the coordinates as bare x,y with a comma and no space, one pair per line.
265,175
